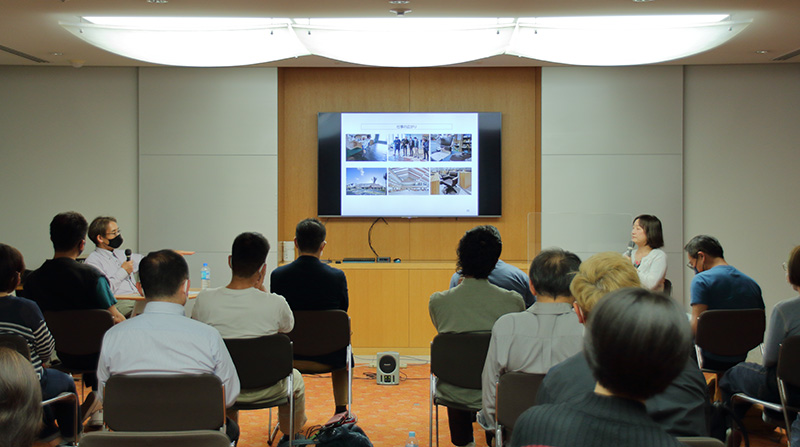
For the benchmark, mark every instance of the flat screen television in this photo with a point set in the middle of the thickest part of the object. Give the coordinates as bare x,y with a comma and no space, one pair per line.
409,164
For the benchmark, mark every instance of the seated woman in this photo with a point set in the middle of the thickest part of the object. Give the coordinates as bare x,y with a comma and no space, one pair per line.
648,258
20,316
20,400
760,381
624,346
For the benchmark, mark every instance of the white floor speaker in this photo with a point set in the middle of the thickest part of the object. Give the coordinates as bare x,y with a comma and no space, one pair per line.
388,368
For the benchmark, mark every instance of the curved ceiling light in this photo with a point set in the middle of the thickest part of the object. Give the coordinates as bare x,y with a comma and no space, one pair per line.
623,40
405,42
192,42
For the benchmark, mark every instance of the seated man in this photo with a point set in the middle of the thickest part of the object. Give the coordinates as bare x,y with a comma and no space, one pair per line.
717,285
243,309
472,306
680,409
112,261
308,284
540,337
624,346
505,276
22,317
162,340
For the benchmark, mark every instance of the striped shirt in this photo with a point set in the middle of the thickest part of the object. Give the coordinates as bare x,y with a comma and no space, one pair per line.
20,316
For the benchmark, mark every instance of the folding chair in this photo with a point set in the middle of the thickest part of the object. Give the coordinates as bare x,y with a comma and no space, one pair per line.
261,363
320,332
194,438
788,374
516,392
456,359
164,402
78,335
728,332
19,344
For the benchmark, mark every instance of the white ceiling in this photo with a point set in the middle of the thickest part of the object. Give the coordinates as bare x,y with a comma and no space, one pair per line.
31,26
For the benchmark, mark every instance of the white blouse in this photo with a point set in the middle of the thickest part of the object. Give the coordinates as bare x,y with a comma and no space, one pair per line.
652,269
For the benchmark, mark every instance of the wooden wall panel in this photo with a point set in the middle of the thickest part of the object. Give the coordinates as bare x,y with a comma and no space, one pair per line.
306,91
378,307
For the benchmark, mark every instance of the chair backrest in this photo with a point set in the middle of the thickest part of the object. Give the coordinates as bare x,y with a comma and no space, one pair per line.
320,332
789,368
730,332
193,438
458,358
164,403
17,343
261,362
78,332
516,392
699,441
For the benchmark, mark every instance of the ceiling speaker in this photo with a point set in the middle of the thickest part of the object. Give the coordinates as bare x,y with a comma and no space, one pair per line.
388,368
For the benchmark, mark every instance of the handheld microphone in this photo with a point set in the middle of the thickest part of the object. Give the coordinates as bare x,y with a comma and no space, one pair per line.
127,254
628,252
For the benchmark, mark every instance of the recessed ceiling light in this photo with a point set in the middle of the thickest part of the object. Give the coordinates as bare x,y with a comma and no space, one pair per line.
400,11
56,53
158,1
643,1
399,2
762,51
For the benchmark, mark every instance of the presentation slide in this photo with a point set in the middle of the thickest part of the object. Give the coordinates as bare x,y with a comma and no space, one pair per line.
409,164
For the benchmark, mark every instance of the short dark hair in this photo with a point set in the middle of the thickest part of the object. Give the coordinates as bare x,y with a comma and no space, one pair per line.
652,230
625,346
67,230
310,234
162,273
11,264
21,396
99,226
478,251
248,254
552,271
793,266
707,244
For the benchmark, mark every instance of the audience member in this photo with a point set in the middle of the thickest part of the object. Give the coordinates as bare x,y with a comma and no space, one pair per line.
244,309
20,400
717,285
472,306
22,317
308,284
111,260
760,381
647,256
162,340
504,275
545,334
680,409
625,349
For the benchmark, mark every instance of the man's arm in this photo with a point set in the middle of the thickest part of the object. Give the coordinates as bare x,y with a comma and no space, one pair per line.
345,303
697,309
286,318
491,374
107,299
115,275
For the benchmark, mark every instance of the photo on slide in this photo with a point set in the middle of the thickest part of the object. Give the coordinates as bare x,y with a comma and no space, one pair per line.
365,147
409,147
409,181
451,181
451,147
366,181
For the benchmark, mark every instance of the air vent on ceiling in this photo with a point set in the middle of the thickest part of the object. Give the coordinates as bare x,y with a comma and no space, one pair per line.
787,56
25,55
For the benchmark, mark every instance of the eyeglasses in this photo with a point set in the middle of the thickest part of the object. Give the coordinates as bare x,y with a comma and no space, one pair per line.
115,233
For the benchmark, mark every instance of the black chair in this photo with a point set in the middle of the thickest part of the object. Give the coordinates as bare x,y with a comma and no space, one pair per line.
456,359
164,402
78,335
321,332
729,332
788,373
516,392
19,344
194,438
261,363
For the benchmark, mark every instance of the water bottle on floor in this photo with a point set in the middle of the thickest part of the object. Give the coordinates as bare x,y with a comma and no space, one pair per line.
205,276
412,440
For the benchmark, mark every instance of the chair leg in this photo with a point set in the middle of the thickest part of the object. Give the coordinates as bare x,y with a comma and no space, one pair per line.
290,396
349,380
432,392
498,436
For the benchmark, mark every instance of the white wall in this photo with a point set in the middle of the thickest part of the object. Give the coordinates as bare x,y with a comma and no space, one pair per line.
208,162
741,164
68,141
612,149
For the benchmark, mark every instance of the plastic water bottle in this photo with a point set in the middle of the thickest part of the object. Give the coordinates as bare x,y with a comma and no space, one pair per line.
205,276
412,440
